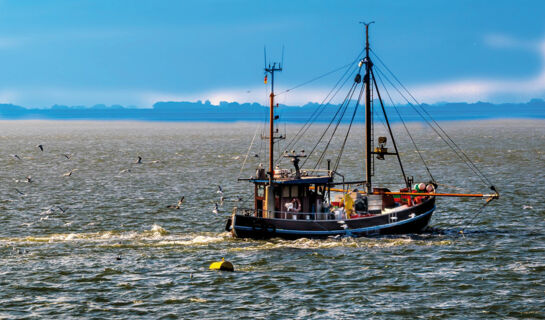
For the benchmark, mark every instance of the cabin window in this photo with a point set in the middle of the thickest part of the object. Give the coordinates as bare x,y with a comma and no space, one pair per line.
260,191
295,191
285,192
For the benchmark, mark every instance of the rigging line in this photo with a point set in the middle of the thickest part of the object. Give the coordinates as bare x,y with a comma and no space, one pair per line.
329,125
472,168
405,126
321,108
321,158
481,209
248,153
435,122
318,111
338,161
323,75
343,107
389,129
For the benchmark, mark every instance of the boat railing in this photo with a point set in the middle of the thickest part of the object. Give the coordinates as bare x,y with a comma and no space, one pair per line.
318,171
287,215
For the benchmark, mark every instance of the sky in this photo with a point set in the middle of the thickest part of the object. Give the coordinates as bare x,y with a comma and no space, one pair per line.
136,53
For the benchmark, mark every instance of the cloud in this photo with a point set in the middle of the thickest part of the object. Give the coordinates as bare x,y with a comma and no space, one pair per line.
472,90
468,90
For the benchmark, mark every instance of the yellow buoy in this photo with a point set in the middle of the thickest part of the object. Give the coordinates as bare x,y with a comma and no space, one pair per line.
222,265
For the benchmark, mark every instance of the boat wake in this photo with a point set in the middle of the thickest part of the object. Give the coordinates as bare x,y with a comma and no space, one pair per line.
155,236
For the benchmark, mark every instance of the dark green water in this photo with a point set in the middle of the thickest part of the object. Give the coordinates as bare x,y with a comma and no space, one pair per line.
118,252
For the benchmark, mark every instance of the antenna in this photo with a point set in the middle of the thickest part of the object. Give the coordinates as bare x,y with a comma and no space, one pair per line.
282,63
365,23
265,57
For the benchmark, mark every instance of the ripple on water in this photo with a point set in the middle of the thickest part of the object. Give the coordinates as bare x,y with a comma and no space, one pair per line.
119,252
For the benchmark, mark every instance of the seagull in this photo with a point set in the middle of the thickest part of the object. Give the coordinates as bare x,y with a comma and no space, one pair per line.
177,206
20,192
215,208
139,161
220,190
41,147
62,210
48,211
29,179
68,174
67,155
16,157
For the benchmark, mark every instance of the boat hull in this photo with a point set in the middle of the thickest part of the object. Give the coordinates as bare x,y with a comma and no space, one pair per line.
410,220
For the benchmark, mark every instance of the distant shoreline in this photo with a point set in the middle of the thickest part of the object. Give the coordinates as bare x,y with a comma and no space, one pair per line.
482,122
235,112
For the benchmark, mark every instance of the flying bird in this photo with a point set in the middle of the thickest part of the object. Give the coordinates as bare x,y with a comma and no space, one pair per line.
20,192
139,161
222,199
16,157
29,179
215,208
62,210
67,156
177,206
68,174
41,147
220,190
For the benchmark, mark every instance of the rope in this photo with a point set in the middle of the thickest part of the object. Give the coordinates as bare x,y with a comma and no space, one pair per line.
321,76
456,148
338,161
248,153
405,126
481,209
453,148
328,126
345,103
317,112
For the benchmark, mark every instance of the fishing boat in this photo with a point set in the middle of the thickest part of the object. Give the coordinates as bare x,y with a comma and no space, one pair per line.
302,202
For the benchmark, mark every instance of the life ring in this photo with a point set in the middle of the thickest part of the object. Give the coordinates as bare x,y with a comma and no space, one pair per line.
296,204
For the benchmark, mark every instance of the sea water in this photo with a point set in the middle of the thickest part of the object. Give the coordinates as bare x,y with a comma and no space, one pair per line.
102,242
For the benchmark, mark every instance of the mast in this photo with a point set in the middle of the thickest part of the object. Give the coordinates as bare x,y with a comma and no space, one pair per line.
368,120
272,69
270,194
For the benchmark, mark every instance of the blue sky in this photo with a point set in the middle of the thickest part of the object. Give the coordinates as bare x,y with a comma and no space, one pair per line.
140,52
